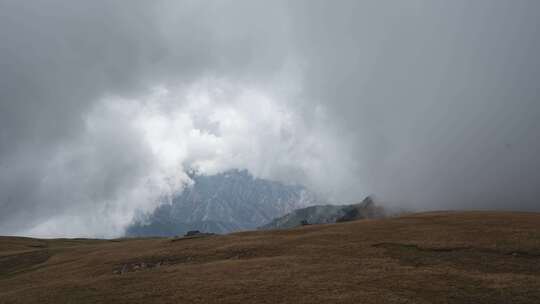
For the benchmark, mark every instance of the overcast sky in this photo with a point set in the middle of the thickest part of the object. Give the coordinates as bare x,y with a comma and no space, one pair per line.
105,104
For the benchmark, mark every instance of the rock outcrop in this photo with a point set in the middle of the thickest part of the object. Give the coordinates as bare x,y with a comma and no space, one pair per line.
325,214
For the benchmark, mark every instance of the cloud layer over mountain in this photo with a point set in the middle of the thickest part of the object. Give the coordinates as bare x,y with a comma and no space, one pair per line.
104,104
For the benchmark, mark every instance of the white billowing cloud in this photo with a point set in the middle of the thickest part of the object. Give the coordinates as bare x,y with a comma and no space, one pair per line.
211,125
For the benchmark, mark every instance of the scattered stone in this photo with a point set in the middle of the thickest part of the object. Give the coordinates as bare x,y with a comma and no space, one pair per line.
138,266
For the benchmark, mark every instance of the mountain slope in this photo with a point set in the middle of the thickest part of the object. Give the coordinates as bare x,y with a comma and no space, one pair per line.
221,203
436,258
324,214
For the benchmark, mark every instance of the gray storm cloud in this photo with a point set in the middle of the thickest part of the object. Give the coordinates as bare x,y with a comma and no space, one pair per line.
426,104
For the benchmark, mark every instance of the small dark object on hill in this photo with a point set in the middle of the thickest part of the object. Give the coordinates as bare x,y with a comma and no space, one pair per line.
192,233
304,223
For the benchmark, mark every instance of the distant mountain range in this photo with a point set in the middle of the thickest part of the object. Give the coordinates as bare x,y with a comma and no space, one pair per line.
222,203
324,214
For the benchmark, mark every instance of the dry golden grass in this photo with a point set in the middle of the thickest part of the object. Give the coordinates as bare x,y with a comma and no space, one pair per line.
443,257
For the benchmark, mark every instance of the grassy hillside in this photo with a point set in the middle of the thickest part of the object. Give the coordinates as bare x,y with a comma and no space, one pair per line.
444,257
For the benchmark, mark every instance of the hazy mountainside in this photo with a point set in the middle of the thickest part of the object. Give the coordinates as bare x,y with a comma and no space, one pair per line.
324,214
221,203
